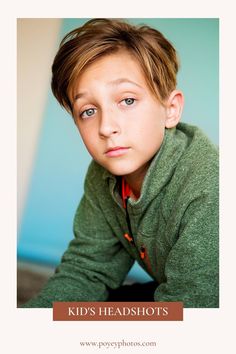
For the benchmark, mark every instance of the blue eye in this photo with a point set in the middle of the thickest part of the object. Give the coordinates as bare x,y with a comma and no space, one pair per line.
88,113
129,101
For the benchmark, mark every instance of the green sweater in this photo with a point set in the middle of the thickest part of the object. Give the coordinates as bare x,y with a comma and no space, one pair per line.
174,225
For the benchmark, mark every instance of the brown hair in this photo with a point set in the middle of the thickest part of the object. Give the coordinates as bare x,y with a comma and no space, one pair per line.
98,37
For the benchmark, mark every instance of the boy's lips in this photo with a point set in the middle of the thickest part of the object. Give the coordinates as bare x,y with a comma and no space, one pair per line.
116,151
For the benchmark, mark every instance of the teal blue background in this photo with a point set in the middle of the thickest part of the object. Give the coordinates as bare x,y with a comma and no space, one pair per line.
61,161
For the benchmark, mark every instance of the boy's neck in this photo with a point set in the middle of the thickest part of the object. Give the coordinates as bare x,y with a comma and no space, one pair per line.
135,181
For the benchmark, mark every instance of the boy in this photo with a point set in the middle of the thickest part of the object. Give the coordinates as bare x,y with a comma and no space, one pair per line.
151,191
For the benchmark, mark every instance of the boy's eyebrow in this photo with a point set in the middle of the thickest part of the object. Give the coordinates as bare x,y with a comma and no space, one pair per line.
123,80
112,83
79,95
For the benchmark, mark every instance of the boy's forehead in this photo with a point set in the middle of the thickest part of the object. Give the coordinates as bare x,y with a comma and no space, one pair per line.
117,61
117,69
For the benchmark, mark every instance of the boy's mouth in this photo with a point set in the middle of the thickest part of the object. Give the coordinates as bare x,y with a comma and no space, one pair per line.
116,151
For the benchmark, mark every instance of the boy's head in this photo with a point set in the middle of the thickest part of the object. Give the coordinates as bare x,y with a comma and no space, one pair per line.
118,81
98,37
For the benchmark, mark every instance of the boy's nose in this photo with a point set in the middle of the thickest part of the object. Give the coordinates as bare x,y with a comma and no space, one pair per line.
108,124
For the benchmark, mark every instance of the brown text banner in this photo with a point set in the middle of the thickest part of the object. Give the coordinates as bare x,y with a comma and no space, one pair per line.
118,311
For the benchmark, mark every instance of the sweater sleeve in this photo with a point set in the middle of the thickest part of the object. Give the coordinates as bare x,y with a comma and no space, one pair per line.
192,268
94,260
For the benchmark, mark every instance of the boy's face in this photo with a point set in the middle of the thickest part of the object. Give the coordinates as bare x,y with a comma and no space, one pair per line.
120,121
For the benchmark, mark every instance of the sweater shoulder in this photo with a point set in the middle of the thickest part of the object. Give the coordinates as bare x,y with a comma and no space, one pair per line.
94,173
199,164
198,144
96,178
195,177
94,170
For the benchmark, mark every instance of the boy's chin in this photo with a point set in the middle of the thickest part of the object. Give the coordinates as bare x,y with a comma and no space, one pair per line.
120,171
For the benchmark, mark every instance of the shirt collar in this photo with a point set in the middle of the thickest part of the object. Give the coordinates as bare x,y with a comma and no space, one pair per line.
125,191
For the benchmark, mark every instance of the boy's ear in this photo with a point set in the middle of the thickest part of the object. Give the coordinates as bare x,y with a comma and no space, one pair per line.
174,108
